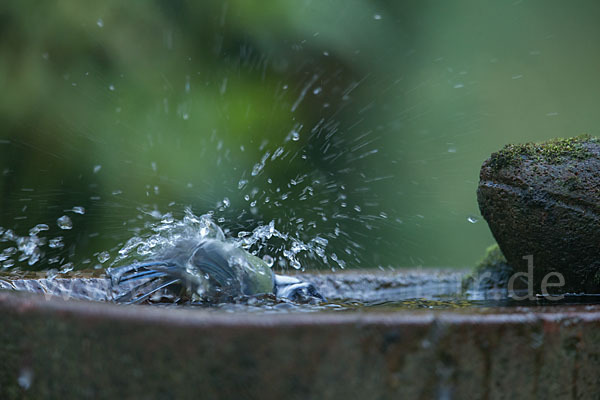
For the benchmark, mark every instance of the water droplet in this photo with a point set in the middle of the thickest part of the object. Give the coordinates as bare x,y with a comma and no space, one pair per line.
377,17
295,136
242,183
103,257
226,202
268,260
451,149
97,168
38,228
34,254
458,86
258,167
64,222
472,219
25,378
56,243
277,153
321,241
68,267
317,90
78,210
100,23
51,273
111,87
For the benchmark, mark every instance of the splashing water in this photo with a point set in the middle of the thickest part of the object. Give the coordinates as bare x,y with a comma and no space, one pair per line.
322,214
306,221
168,231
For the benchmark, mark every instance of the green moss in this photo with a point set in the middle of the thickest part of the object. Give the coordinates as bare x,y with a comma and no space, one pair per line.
491,272
493,257
552,151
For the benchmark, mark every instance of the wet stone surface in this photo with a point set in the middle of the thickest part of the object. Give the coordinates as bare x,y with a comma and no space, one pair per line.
542,200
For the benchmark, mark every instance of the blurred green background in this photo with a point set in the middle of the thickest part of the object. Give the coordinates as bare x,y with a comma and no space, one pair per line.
383,110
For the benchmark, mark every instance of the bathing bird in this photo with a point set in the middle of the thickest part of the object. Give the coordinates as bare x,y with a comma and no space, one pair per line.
209,270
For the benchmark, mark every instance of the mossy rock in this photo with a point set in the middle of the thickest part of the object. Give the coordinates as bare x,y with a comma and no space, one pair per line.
543,199
492,272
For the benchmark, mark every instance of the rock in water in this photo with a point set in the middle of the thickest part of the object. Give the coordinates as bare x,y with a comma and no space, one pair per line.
543,199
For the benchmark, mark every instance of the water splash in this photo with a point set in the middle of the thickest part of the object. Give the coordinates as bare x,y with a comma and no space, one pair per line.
25,248
315,216
275,247
167,232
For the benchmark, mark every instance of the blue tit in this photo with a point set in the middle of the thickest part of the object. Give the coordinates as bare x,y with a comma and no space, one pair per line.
207,270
